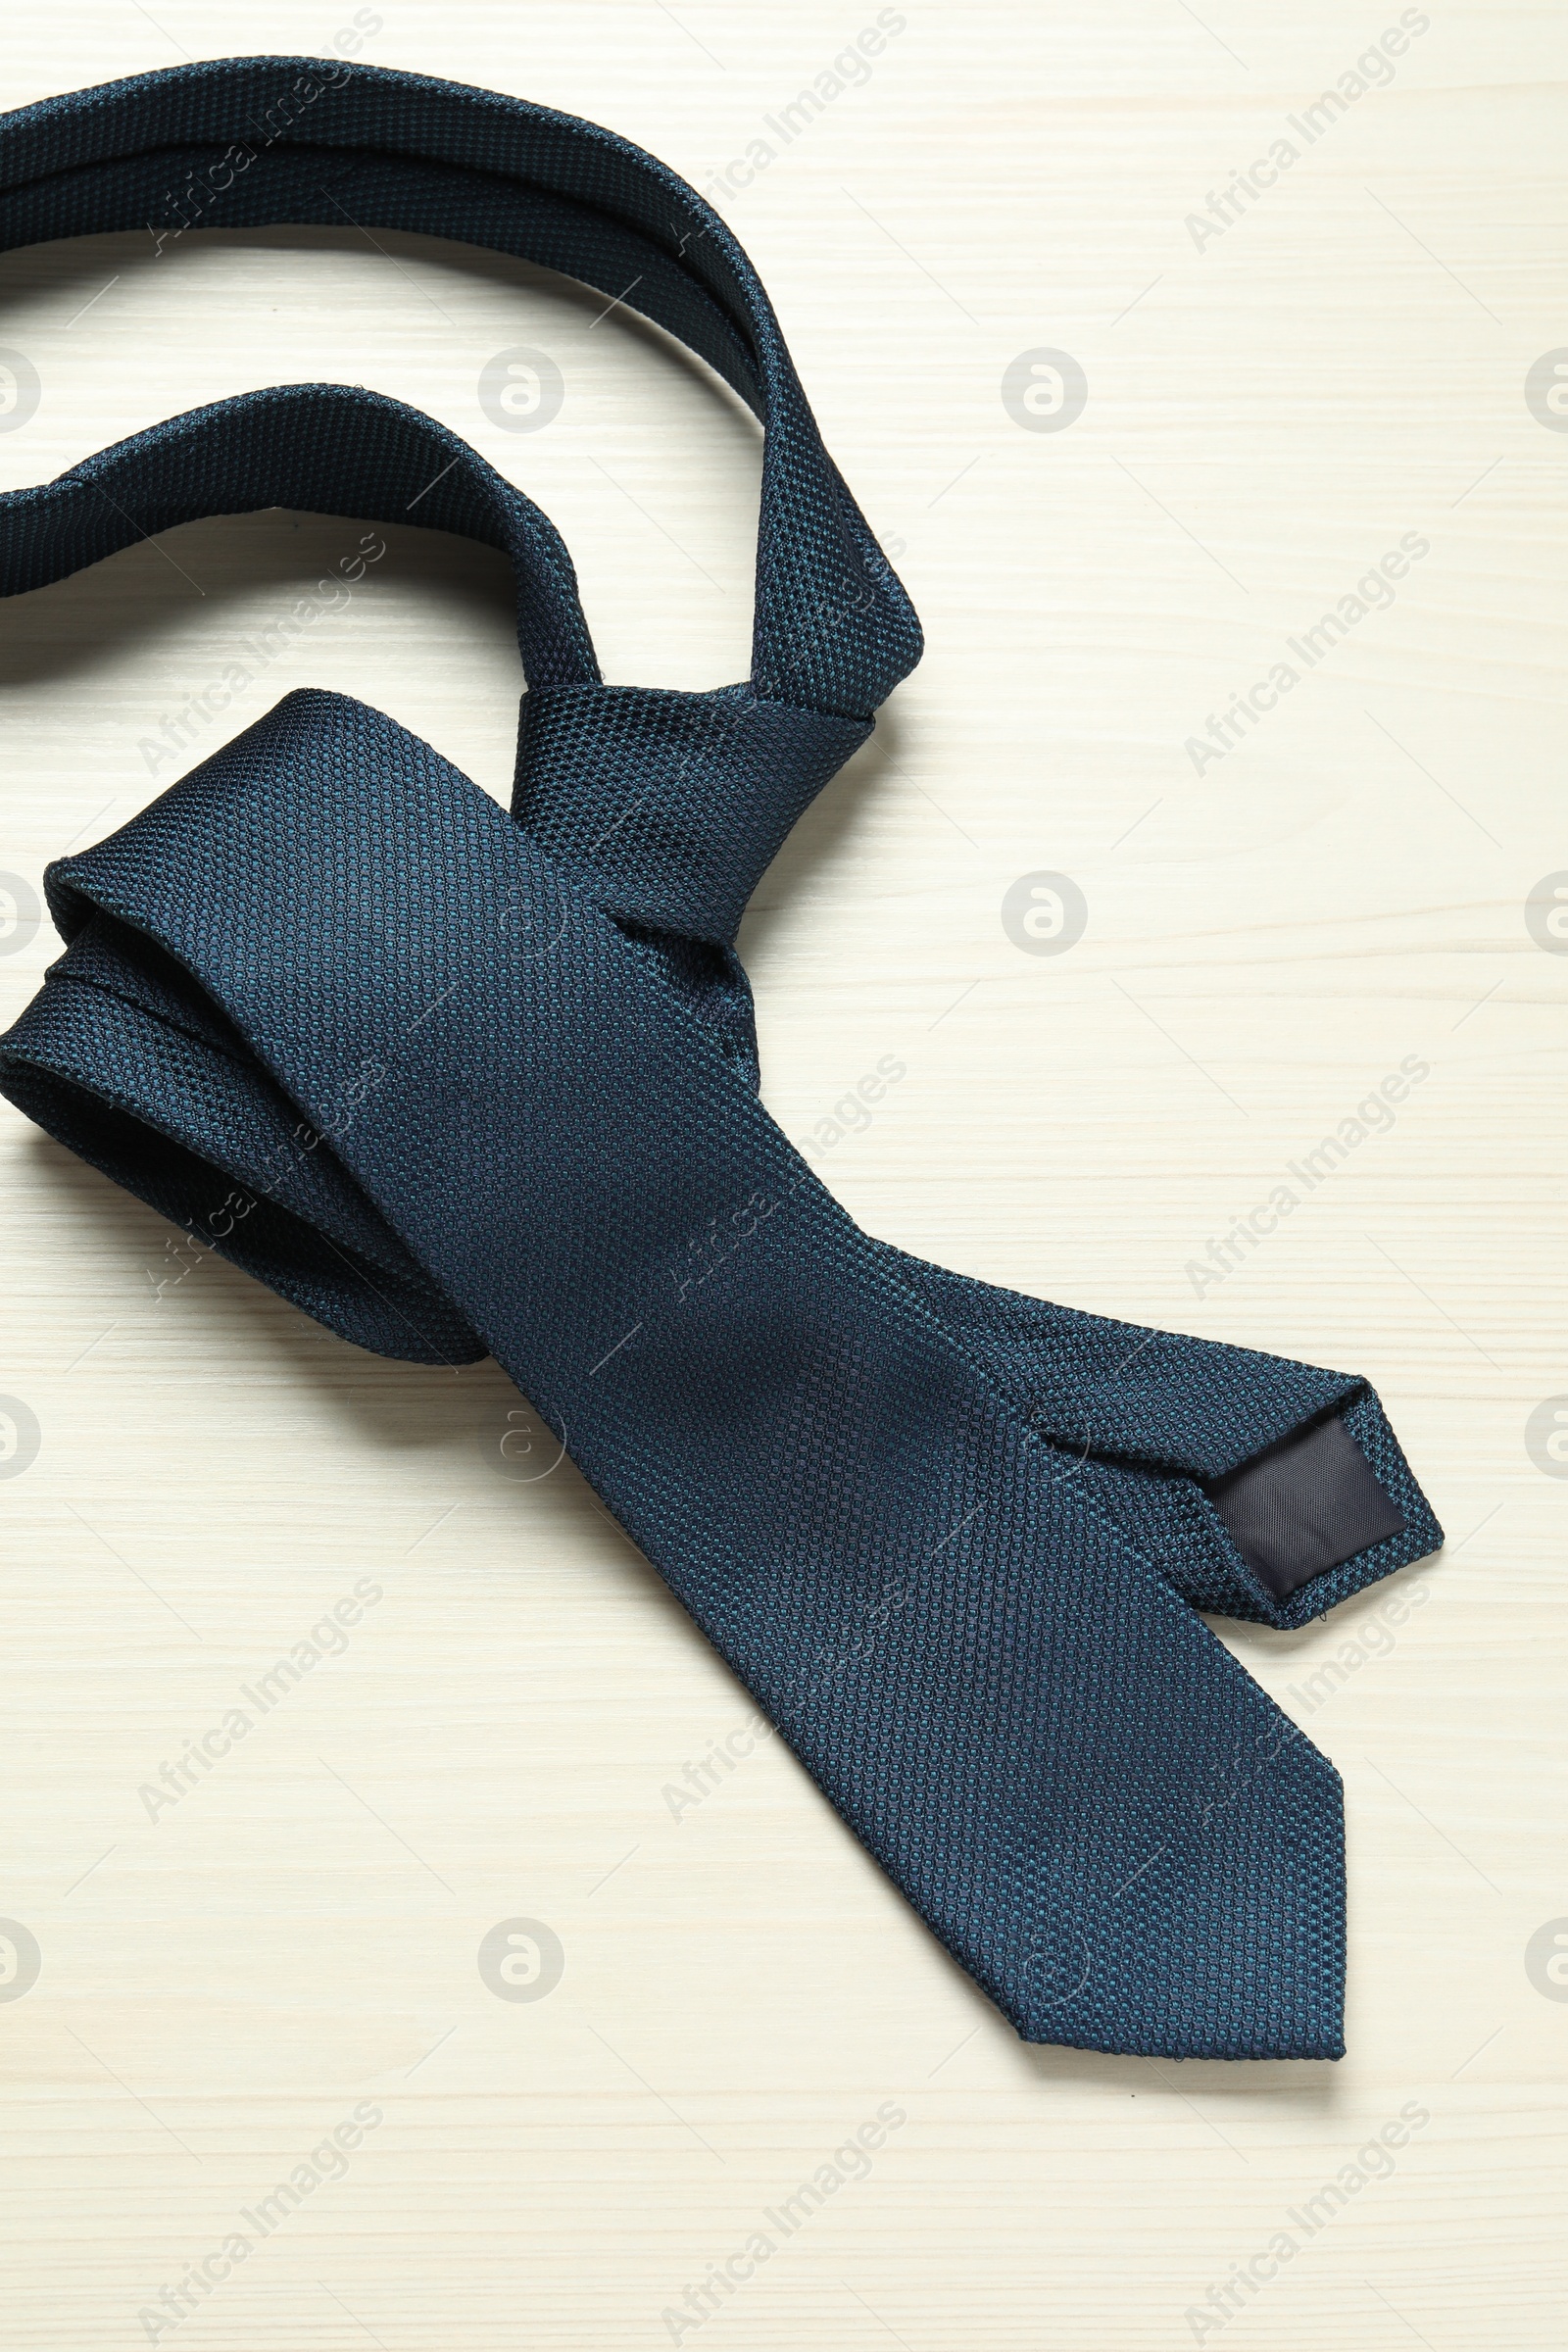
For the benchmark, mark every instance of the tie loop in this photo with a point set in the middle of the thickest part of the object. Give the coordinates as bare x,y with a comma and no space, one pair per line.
366,147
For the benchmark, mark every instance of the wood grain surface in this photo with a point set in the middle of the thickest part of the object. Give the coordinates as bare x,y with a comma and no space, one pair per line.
492,1730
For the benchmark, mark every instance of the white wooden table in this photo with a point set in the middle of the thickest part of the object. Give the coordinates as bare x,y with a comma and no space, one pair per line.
290,1942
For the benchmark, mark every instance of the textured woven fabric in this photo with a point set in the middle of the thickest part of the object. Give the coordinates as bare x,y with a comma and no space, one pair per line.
459,1082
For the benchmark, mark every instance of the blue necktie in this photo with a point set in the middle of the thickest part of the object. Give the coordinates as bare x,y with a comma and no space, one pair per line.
458,1081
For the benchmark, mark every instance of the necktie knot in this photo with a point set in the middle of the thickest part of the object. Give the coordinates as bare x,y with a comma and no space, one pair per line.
673,805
